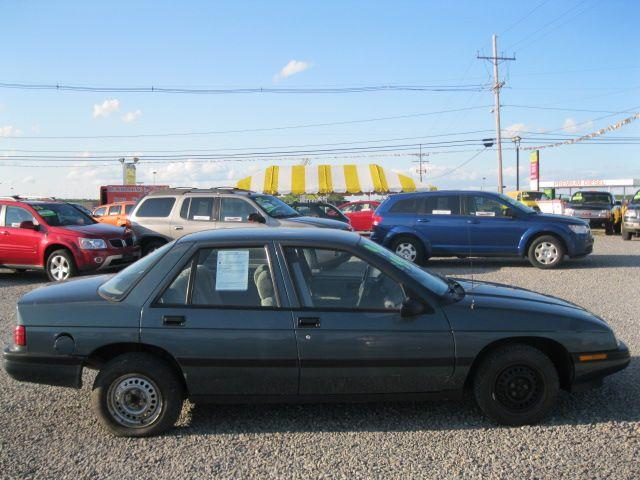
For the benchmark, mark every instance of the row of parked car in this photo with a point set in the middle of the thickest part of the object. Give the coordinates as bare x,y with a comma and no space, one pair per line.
63,240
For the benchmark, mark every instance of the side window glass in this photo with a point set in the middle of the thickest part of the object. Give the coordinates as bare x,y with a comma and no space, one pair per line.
100,212
340,280
235,210
406,205
128,209
442,205
14,216
201,209
233,277
115,210
481,206
156,207
184,209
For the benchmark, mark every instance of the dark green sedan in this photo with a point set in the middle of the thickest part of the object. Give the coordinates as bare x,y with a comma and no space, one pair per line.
295,315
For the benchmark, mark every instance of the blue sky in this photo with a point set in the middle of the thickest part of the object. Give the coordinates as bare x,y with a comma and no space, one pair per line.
587,59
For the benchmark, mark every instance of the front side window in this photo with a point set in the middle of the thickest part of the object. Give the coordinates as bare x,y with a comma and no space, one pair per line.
155,207
128,209
115,210
341,280
99,212
235,210
356,207
14,216
228,277
442,205
481,206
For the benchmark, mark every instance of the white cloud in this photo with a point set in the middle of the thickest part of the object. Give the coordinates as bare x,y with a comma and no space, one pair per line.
570,126
106,108
291,68
9,131
131,117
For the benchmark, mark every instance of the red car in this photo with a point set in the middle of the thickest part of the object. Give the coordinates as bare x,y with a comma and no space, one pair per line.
60,239
360,214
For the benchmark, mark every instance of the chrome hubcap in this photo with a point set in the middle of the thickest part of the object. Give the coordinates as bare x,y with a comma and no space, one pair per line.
134,401
546,253
60,268
407,251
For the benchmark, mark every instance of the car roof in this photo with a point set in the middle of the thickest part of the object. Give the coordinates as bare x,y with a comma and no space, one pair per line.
190,190
440,192
329,236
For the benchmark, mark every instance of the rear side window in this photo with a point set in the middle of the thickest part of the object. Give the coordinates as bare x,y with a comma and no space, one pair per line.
406,205
156,207
128,209
201,209
442,205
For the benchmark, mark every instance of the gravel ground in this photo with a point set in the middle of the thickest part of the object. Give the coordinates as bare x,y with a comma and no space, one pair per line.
48,432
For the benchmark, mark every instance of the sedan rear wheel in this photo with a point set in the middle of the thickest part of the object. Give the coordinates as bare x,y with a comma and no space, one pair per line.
516,385
60,266
137,395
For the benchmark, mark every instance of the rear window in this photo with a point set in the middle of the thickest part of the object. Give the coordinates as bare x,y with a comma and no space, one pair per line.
155,207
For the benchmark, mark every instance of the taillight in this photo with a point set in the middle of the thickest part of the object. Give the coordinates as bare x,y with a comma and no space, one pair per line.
20,336
377,219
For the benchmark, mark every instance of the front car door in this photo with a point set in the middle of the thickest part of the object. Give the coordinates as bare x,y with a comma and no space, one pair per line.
350,334
223,317
234,212
495,227
113,215
18,246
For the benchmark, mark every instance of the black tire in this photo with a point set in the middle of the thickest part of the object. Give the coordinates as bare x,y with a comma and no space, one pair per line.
142,379
546,243
151,245
407,246
626,236
60,266
516,385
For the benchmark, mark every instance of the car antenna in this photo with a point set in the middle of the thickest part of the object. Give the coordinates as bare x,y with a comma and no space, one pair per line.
473,297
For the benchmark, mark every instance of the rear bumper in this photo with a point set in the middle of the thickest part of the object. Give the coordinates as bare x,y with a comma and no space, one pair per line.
588,370
57,370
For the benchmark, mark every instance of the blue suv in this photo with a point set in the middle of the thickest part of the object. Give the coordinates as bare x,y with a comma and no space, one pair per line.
470,223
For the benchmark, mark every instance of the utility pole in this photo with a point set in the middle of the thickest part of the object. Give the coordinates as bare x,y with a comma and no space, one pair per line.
420,162
516,140
497,85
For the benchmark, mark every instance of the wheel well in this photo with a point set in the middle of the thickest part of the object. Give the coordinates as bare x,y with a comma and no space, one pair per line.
542,234
102,355
52,248
554,350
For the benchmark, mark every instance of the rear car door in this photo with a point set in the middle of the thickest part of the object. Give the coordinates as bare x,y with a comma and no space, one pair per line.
223,318
491,230
18,246
196,214
350,334
440,221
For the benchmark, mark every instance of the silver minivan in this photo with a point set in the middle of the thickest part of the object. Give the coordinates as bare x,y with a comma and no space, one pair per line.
165,215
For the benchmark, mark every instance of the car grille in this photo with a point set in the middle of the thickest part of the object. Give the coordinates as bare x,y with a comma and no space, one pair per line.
121,242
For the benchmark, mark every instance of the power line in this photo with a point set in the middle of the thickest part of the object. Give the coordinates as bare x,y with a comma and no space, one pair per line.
229,91
523,18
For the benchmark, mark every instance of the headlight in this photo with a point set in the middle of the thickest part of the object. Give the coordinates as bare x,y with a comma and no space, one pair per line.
569,211
631,214
92,243
581,229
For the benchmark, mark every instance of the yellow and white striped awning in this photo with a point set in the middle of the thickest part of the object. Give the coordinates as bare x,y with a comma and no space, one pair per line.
325,179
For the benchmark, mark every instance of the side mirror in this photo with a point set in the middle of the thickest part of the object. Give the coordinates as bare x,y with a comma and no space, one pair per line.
411,307
510,212
28,225
256,218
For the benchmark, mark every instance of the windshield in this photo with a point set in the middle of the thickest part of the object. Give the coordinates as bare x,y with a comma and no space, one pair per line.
118,286
636,197
591,197
274,207
62,215
433,282
534,196
516,204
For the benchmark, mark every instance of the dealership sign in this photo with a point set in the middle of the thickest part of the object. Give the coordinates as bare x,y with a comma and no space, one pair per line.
598,182
534,175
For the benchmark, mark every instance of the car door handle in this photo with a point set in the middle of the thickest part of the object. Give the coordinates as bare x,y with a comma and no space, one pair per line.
178,227
173,320
308,322
423,220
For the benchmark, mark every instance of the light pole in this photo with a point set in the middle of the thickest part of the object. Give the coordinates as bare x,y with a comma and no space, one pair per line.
154,177
516,140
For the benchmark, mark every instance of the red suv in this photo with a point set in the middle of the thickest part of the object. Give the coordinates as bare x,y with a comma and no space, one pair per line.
59,238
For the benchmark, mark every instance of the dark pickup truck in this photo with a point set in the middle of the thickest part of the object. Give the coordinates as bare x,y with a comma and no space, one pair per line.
600,209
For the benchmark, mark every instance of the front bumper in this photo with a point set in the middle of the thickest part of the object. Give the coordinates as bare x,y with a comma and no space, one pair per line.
632,226
594,366
57,370
107,259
